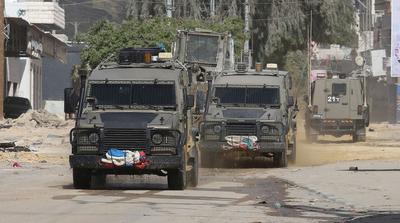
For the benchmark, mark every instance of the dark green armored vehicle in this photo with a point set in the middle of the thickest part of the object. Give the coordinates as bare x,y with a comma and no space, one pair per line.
250,113
134,117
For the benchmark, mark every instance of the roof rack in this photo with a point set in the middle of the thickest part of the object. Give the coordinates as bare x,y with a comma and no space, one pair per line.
139,55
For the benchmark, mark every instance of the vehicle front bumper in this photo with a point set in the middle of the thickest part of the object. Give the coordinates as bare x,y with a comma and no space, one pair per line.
155,163
218,147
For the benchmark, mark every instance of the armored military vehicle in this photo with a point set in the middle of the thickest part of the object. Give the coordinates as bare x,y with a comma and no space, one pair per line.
337,106
250,112
134,117
205,54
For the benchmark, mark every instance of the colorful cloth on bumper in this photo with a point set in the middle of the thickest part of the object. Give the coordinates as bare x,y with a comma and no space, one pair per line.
117,157
241,142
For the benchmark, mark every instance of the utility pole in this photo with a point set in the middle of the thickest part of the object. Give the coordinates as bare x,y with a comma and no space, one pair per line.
246,32
76,25
169,8
212,8
2,75
309,58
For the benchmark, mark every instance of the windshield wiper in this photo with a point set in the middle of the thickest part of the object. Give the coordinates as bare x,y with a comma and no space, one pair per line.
275,106
119,107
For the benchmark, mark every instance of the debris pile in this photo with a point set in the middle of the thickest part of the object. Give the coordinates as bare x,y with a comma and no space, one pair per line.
12,147
35,119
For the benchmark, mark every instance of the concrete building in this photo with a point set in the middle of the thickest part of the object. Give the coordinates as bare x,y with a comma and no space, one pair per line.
30,26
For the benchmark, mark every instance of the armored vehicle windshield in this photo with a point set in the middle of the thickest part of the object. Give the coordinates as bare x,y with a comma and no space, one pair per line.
248,95
202,49
146,94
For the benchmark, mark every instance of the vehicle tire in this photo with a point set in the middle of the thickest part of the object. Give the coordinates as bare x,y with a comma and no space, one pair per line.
366,118
280,159
359,135
194,173
99,180
292,148
362,138
176,179
82,178
208,160
311,138
355,137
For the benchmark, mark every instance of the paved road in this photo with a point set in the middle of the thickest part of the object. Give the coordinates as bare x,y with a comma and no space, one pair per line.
44,194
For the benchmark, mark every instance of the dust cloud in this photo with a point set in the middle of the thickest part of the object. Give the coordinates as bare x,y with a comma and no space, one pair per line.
383,143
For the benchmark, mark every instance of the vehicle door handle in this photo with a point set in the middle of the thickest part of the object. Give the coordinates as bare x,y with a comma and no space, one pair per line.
345,103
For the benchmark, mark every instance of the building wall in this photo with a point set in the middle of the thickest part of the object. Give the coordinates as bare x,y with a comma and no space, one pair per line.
24,79
47,14
57,75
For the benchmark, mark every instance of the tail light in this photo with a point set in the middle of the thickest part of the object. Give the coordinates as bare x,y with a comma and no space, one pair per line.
359,110
315,109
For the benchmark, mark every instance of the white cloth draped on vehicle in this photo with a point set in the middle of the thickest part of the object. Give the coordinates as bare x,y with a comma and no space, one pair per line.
119,157
241,142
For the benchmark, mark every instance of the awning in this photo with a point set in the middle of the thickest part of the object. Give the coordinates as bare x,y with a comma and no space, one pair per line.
26,39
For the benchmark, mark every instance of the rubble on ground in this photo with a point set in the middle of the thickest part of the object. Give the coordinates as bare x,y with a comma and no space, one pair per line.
35,119
13,147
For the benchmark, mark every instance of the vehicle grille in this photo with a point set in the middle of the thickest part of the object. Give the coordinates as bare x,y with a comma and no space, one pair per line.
124,138
241,129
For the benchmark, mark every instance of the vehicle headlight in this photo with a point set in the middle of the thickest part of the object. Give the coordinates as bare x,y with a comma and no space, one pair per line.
265,129
217,128
94,138
157,139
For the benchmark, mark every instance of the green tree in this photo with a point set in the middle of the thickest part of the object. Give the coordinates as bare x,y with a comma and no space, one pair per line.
297,66
280,26
106,38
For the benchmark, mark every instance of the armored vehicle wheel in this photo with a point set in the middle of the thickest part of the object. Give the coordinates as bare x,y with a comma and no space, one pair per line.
359,135
292,148
280,159
82,178
355,137
176,179
311,138
362,138
99,180
208,159
194,173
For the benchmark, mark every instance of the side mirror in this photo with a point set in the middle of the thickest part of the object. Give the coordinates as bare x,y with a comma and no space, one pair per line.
69,105
215,100
200,78
200,101
91,100
290,101
306,99
190,101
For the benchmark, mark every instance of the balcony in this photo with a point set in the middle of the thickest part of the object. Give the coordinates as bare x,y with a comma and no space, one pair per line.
47,15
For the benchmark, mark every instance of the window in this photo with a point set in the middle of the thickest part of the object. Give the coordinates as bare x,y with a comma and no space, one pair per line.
134,94
339,89
242,95
202,49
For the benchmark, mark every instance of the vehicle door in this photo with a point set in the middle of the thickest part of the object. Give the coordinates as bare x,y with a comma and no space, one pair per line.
337,99
356,97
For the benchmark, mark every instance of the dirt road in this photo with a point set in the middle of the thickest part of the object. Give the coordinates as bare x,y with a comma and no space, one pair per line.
383,143
318,188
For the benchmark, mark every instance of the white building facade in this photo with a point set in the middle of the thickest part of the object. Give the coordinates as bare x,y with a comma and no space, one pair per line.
30,25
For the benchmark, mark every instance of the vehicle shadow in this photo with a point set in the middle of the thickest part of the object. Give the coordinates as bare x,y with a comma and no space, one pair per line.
245,163
325,141
124,182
